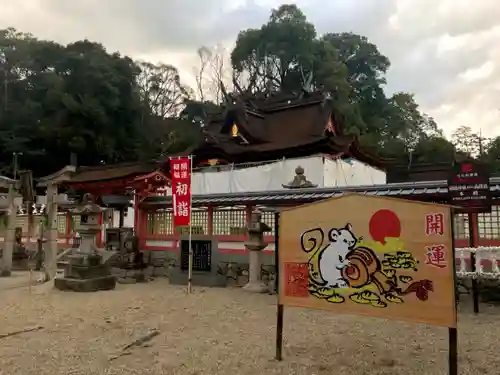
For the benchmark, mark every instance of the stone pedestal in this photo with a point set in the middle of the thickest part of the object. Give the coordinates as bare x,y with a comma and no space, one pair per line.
87,270
86,273
255,245
255,283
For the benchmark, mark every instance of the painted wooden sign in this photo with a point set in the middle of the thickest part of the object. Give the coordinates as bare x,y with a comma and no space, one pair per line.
375,256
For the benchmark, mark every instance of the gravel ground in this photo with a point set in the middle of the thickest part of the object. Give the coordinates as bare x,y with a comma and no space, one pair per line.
222,331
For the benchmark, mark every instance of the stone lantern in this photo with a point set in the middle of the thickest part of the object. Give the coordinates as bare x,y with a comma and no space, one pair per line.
86,270
89,226
255,245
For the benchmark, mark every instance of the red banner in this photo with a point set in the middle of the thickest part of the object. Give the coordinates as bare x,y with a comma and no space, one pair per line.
180,170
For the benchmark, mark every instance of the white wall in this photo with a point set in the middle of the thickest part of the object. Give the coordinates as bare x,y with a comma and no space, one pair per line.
128,220
321,171
351,172
266,177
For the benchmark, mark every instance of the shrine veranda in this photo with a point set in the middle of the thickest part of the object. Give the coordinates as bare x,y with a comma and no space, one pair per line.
224,219
248,138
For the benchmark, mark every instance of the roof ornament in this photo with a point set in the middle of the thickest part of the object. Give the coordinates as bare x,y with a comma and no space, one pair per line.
243,94
299,181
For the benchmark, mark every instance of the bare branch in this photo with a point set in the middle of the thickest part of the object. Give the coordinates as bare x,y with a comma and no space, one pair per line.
212,70
161,89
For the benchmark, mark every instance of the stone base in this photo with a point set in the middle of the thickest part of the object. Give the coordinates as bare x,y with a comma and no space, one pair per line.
132,278
5,273
87,272
20,265
256,287
82,285
198,279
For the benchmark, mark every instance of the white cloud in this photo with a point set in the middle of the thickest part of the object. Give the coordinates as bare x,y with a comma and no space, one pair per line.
446,52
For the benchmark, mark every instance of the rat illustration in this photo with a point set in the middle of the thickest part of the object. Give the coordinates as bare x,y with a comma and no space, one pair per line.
333,257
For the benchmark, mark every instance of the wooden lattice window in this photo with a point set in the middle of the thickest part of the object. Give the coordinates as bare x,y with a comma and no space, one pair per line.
489,224
229,221
75,221
268,218
159,223
461,226
199,221
61,224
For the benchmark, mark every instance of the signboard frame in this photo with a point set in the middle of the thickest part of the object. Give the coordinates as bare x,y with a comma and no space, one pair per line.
469,187
282,245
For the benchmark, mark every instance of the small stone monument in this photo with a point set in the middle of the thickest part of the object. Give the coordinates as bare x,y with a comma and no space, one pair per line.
86,270
299,181
20,255
255,245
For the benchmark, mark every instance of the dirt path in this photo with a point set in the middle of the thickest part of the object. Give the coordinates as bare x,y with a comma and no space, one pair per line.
222,332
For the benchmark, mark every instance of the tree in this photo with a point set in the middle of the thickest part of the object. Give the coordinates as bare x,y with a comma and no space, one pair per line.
491,156
284,52
163,136
212,70
433,149
274,57
466,141
366,68
56,99
197,112
63,99
161,89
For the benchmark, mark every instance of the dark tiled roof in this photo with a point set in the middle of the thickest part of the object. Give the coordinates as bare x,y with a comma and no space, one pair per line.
418,189
111,172
233,152
290,128
116,200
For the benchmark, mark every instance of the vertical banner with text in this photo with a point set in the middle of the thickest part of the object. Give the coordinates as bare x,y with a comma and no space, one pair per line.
180,170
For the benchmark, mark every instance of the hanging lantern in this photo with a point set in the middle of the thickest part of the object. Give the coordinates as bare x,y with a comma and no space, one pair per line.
234,130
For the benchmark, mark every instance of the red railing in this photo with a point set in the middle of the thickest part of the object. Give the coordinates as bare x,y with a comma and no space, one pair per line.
156,230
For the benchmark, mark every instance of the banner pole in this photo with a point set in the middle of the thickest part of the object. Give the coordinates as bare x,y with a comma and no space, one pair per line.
190,262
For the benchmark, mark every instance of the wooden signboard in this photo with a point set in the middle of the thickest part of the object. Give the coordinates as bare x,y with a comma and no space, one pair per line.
469,187
374,256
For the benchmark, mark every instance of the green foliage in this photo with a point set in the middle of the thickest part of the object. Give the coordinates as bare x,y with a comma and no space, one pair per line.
277,56
491,156
56,100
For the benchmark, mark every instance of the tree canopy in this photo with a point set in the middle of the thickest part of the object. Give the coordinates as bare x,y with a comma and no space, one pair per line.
57,100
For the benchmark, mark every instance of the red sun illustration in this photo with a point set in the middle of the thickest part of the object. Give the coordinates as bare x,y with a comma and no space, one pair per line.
384,224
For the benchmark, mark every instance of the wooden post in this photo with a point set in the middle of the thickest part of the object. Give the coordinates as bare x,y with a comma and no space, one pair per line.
10,234
248,215
474,243
51,249
210,220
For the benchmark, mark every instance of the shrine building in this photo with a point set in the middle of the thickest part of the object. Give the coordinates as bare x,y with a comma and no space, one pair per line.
260,153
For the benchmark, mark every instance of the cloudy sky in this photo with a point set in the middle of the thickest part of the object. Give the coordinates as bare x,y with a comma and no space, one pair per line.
445,51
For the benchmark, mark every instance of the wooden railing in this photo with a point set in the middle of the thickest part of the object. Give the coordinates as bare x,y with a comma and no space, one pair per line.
228,224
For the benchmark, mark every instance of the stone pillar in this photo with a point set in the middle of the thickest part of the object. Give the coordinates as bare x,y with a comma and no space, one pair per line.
51,248
255,245
88,239
255,283
9,234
